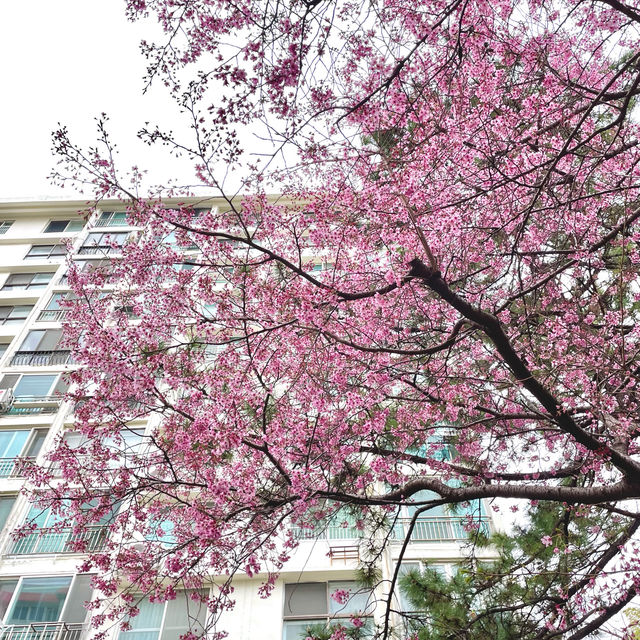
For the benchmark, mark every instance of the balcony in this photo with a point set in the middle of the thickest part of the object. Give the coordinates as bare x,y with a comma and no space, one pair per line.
30,405
50,540
439,529
333,532
52,315
43,631
41,358
12,467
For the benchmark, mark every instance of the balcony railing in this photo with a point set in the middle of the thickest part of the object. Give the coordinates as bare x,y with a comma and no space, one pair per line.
52,315
12,467
111,222
329,533
40,358
43,631
29,405
59,541
99,249
439,529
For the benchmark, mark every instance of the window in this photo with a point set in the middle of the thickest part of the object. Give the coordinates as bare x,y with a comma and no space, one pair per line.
104,267
16,444
46,251
64,226
125,446
27,281
185,242
167,620
14,315
53,311
103,243
417,566
112,219
46,533
45,599
441,523
40,349
5,225
33,394
41,340
6,505
34,387
310,604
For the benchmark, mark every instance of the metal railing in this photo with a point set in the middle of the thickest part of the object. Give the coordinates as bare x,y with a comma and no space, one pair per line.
49,540
99,249
439,529
52,315
28,405
336,532
111,222
43,631
12,467
41,358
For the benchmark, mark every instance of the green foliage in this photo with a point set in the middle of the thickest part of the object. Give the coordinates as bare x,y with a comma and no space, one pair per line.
513,596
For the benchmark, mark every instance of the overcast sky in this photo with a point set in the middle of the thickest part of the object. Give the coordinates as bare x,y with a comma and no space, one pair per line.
67,61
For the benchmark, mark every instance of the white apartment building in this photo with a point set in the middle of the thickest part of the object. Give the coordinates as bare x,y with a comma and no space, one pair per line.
41,592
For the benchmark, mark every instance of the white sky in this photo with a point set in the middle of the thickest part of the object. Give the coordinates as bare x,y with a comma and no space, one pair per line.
68,61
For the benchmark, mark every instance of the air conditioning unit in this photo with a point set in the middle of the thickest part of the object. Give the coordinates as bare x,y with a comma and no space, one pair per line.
6,399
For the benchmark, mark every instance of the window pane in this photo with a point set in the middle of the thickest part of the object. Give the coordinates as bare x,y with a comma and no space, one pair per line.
39,250
40,280
9,381
146,625
80,593
360,599
75,225
31,342
296,630
7,587
183,615
61,387
405,569
5,225
6,504
12,442
54,302
425,496
34,385
18,279
50,340
39,600
36,443
20,312
305,599
56,226
5,311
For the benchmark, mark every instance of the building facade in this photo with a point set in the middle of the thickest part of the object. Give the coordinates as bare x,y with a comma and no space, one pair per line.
41,592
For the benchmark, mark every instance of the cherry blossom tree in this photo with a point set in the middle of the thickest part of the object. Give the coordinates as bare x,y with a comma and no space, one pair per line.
452,263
